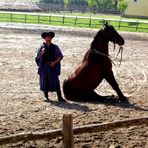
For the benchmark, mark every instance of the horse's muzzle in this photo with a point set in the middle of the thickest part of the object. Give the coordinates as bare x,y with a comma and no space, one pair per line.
121,42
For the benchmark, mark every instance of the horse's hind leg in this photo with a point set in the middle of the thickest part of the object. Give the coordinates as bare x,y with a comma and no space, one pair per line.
112,81
72,94
93,96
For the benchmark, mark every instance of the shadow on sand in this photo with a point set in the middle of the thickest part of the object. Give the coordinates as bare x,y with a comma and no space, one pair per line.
114,101
70,105
106,100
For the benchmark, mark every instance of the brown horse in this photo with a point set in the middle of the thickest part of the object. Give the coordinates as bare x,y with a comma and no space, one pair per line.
95,66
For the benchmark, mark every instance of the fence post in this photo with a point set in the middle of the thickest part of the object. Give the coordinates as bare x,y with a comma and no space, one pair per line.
25,18
76,21
38,18
103,20
63,19
137,25
10,17
67,131
50,19
119,23
90,21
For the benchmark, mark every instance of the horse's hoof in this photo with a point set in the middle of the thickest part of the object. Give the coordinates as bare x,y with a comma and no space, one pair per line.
123,99
61,99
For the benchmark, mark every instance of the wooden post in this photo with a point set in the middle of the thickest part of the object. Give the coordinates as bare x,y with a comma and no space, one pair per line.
103,20
90,21
119,23
11,17
137,25
67,131
25,18
38,18
76,21
63,19
50,19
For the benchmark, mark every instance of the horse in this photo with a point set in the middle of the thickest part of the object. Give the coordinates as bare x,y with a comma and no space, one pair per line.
95,66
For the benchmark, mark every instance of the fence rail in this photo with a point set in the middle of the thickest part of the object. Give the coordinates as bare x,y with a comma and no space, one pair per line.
80,21
67,131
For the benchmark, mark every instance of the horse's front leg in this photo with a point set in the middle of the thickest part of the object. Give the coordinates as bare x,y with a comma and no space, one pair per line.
112,81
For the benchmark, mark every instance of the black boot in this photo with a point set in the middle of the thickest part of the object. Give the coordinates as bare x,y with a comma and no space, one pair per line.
60,98
46,96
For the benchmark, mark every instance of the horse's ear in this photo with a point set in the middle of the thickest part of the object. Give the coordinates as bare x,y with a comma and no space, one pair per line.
105,25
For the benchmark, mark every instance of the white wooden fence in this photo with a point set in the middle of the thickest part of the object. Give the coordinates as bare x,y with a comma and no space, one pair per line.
72,20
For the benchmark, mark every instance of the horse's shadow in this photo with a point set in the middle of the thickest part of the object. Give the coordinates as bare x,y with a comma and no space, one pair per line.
112,101
106,100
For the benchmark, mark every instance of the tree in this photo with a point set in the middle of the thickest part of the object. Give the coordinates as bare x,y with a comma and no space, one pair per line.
46,1
116,3
107,3
51,1
91,4
66,3
122,5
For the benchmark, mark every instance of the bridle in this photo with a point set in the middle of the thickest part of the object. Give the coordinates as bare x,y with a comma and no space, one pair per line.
106,55
99,53
114,40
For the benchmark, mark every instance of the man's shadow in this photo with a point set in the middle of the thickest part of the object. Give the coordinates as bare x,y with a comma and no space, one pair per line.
70,105
79,104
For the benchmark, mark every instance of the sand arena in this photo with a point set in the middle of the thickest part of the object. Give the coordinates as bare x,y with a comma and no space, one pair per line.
21,105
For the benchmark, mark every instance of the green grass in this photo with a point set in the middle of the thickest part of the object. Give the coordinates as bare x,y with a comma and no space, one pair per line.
84,22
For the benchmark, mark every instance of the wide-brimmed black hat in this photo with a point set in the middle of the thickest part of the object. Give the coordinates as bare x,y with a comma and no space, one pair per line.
46,34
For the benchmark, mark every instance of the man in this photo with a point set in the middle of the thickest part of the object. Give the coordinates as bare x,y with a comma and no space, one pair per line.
48,60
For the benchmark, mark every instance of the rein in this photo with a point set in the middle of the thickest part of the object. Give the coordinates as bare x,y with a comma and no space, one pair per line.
120,50
106,55
100,53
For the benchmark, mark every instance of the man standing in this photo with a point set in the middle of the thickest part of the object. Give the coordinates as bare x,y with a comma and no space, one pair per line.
48,60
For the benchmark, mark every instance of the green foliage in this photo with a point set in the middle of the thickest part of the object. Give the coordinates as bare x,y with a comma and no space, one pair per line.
105,3
46,1
122,5
91,3
52,1
108,4
66,3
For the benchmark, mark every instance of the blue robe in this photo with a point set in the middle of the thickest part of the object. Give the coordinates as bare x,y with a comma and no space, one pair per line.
49,76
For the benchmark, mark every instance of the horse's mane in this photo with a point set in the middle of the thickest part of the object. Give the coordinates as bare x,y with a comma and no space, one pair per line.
98,35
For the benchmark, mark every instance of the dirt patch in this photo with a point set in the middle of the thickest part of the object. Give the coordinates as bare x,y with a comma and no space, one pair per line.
21,103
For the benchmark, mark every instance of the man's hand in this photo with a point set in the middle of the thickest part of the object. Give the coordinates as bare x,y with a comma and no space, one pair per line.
52,64
43,51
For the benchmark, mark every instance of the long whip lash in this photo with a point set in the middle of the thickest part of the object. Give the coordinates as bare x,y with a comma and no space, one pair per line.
120,50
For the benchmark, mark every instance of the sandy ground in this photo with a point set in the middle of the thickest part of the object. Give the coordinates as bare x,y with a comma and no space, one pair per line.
22,108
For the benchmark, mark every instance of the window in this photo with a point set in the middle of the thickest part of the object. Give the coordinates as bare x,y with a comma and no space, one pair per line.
135,1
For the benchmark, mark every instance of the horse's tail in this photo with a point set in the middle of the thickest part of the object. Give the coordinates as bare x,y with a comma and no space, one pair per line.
66,90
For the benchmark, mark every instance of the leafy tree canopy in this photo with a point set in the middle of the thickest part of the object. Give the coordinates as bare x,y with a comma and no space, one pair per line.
122,5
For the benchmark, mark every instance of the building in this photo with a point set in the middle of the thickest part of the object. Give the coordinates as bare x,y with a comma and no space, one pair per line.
19,5
137,8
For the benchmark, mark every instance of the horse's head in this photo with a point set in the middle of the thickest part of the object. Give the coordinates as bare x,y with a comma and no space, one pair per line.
112,35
